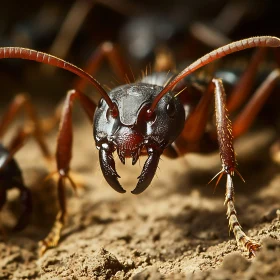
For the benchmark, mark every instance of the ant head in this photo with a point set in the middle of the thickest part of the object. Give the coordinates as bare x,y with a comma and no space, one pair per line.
133,102
134,132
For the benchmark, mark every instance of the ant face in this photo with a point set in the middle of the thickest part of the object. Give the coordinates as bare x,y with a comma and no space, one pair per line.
133,132
132,129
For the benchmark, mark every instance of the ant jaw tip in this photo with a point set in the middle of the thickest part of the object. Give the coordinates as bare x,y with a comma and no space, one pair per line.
136,191
118,188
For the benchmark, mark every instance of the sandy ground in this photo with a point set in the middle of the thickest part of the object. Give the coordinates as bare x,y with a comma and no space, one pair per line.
176,229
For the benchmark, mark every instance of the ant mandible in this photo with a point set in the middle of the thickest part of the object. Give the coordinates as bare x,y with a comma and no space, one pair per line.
146,118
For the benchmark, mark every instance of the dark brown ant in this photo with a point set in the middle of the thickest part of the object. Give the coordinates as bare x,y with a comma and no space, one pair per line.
147,118
10,172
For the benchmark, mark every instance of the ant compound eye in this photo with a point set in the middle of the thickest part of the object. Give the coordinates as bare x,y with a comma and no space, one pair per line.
170,108
101,102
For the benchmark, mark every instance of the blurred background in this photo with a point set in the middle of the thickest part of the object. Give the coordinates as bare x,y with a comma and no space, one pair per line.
73,30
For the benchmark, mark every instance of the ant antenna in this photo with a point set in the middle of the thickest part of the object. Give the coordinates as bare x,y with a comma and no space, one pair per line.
29,54
261,41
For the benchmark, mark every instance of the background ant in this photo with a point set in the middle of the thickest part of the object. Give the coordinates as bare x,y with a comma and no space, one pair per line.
10,172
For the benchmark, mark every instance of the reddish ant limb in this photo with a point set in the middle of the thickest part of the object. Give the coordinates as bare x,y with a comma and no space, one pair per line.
111,53
150,126
63,158
227,154
32,124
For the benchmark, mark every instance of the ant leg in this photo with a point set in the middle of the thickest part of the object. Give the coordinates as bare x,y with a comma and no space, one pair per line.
54,235
248,114
112,53
33,127
227,154
234,225
69,30
275,148
26,202
63,158
194,129
246,82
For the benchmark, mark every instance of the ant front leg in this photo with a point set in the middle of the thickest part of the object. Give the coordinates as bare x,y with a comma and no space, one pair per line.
63,158
227,154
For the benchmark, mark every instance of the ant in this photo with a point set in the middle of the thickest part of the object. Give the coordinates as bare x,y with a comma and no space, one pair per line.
10,172
148,118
